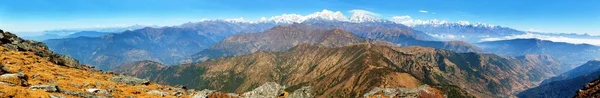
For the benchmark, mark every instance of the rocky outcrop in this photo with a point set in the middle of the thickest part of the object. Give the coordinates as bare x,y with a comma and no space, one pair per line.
267,90
14,79
11,42
130,80
400,92
47,88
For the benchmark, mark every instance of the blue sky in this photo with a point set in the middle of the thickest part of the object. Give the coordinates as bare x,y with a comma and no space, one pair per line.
581,16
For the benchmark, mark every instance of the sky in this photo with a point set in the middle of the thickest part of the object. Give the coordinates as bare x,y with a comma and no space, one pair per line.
557,16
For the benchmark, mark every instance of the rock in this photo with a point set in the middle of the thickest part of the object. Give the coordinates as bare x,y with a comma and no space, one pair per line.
177,94
56,96
130,80
157,92
203,94
304,92
12,42
47,88
267,90
396,92
98,91
16,79
9,84
78,94
2,69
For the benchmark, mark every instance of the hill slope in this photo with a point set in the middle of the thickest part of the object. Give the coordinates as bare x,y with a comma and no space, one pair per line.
351,71
566,84
29,69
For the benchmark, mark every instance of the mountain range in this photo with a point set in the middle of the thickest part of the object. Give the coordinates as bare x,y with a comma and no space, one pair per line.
167,45
572,55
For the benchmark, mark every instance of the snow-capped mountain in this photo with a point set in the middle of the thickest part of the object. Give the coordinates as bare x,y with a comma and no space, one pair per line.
356,17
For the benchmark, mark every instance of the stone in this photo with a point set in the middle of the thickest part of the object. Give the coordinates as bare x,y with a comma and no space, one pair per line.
56,96
47,88
78,94
16,79
203,94
304,92
130,80
157,92
267,90
98,91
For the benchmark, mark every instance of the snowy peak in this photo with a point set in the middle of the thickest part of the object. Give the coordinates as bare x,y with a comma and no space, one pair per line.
364,16
327,15
358,16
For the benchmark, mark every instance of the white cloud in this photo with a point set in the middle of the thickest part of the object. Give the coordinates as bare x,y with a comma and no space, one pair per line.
423,11
359,11
550,38
534,30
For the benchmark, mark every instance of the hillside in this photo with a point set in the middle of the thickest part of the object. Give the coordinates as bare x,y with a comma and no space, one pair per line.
566,84
591,89
351,71
29,69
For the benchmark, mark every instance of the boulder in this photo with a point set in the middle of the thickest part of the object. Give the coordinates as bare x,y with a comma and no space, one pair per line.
304,92
130,80
157,92
47,88
267,90
56,96
203,94
15,79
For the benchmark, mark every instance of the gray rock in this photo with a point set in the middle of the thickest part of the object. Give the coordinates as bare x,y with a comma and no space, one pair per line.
47,88
78,94
4,83
130,80
16,78
203,94
398,92
267,90
98,91
56,96
304,92
157,92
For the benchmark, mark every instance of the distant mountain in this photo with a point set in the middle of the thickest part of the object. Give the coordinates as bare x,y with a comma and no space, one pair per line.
570,54
87,32
281,38
167,45
326,33
396,33
562,87
352,71
472,33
